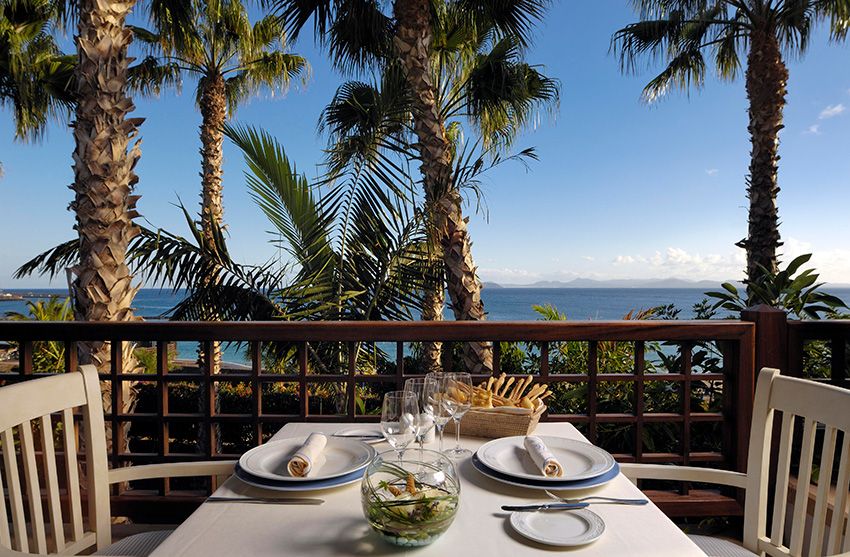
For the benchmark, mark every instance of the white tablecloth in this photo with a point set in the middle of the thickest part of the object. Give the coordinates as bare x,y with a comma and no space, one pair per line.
481,528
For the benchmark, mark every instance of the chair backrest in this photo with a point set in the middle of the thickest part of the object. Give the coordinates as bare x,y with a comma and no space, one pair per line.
819,407
36,417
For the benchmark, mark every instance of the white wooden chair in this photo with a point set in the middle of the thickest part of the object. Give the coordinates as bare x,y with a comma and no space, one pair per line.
816,403
38,400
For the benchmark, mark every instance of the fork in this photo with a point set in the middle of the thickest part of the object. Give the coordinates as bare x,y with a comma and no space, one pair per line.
598,499
269,500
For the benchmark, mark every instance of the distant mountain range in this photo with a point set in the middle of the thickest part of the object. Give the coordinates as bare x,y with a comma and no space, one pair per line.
633,283
616,283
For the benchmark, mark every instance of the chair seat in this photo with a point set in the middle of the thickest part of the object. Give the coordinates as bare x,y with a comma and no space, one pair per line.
720,547
137,545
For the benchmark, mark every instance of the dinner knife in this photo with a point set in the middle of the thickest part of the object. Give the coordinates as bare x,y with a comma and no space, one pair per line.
545,507
269,500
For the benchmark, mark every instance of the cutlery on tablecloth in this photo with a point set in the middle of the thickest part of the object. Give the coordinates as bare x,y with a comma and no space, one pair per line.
598,499
545,507
267,500
356,436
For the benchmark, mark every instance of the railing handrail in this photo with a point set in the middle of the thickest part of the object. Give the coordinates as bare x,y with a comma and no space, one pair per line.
821,329
376,331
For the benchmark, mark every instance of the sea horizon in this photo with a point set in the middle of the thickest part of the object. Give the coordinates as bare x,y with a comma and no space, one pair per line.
501,304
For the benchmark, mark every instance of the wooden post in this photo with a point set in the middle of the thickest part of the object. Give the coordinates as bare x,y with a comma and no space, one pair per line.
771,337
771,350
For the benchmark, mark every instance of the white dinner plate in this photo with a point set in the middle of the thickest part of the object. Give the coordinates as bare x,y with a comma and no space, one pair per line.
578,485
315,485
579,460
561,528
341,457
370,435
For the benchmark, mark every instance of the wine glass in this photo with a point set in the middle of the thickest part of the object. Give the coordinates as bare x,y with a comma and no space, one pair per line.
459,389
437,394
425,418
398,419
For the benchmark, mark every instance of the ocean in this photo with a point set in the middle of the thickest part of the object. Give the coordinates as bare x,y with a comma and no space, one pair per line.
502,304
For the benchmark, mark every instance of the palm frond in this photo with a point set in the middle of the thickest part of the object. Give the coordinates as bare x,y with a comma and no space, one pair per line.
515,18
35,76
360,37
684,70
150,76
502,93
364,121
285,197
51,262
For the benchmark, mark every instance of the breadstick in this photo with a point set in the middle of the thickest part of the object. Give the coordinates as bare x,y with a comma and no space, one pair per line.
517,385
517,394
490,383
498,384
536,391
506,386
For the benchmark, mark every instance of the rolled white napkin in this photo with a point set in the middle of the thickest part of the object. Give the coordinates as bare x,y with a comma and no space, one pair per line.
307,457
543,457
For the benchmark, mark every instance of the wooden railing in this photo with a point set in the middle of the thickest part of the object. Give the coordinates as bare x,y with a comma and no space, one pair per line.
731,380
816,350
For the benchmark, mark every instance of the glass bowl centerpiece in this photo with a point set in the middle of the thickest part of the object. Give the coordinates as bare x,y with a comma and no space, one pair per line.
410,501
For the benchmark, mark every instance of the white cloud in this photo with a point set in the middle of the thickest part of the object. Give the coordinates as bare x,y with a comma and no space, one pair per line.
833,265
680,263
814,129
832,111
712,171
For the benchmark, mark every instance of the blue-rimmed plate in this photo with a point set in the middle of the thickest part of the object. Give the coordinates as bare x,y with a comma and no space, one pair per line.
339,457
316,485
538,484
580,460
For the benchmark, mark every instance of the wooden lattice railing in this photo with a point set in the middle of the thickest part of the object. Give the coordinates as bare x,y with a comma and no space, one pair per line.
702,400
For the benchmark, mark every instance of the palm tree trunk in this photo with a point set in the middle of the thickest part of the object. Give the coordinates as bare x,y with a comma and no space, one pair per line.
766,78
443,201
432,310
104,158
213,105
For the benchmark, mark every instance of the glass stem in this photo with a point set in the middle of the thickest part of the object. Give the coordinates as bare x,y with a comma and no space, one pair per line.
440,431
421,447
457,434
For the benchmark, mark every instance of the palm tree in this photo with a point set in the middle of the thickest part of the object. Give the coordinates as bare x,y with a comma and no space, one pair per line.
34,74
765,31
359,35
231,60
482,83
104,157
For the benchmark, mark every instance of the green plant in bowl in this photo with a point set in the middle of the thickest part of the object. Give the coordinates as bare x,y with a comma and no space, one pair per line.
410,502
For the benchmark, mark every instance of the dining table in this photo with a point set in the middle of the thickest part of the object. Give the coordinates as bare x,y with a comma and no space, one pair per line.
338,526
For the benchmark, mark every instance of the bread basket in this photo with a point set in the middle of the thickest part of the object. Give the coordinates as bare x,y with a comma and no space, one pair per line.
493,423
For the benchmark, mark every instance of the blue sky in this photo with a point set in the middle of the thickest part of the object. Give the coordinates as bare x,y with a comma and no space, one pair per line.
621,189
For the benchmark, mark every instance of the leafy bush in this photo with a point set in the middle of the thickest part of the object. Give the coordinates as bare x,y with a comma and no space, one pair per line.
47,356
798,294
